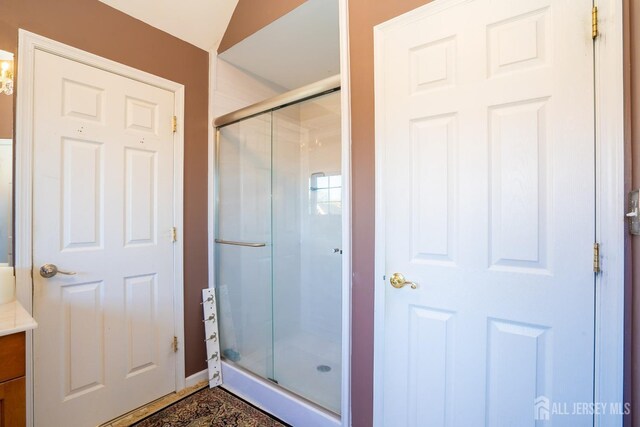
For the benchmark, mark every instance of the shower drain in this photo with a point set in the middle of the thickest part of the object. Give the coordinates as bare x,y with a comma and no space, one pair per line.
323,368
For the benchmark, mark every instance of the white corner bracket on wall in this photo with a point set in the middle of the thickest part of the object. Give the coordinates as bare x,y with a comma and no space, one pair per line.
28,44
212,337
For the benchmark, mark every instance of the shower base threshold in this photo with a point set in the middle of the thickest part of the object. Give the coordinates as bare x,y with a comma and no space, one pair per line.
271,398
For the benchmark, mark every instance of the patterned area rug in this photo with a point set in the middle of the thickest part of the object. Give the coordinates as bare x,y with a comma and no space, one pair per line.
209,408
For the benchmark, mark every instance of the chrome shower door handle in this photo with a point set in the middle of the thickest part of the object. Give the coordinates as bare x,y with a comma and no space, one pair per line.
49,270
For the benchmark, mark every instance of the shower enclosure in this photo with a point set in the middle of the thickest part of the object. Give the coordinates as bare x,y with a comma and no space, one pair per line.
278,255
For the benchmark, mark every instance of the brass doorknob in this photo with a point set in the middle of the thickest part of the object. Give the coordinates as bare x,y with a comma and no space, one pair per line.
398,281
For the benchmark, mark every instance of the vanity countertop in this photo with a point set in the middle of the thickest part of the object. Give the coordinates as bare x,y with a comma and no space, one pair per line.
14,318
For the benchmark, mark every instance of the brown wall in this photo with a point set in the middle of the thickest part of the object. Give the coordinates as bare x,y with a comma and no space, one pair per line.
92,26
363,16
252,15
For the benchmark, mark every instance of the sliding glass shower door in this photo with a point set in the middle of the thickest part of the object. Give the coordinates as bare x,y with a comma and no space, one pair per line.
243,249
278,251
307,239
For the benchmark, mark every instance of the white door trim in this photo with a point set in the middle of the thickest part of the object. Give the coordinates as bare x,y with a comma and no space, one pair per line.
345,115
610,204
610,207
28,44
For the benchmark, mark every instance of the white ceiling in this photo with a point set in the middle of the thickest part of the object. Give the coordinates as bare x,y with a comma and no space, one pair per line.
299,48
199,22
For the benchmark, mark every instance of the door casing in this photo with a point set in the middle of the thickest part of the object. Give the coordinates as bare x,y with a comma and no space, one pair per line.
28,43
610,204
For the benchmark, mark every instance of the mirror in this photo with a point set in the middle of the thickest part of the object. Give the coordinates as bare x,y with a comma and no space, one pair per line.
6,158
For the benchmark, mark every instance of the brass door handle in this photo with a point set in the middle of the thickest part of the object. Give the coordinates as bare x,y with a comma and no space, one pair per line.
398,281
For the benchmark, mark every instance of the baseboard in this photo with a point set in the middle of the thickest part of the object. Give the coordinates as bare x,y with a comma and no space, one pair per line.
196,378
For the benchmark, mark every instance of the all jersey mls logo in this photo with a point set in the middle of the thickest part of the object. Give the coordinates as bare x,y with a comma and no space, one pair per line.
545,409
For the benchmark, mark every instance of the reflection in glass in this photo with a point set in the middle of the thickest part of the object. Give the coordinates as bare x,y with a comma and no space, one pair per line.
6,158
6,196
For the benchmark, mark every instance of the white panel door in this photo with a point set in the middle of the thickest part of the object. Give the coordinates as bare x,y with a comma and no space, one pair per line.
103,208
485,122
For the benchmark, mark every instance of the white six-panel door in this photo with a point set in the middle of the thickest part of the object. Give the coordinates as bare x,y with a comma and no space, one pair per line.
485,134
103,208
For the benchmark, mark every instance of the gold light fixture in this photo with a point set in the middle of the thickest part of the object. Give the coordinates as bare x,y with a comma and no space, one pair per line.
6,78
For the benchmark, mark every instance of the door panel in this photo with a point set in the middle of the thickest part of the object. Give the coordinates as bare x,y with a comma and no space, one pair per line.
82,194
519,190
432,154
103,208
141,294
83,337
486,112
140,189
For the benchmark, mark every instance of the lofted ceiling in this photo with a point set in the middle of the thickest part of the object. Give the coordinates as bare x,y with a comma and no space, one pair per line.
299,48
199,22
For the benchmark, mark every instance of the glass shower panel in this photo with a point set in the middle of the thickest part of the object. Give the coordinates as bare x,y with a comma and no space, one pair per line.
243,244
307,253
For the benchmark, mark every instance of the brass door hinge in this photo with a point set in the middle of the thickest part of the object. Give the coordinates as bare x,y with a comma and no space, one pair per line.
594,22
596,257
175,344
174,124
174,235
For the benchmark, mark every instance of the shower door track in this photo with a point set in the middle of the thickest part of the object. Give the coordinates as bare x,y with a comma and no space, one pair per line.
322,87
